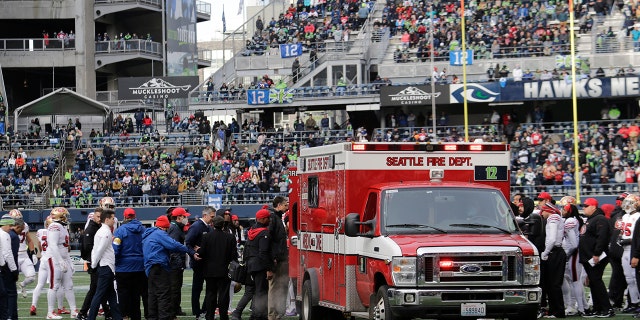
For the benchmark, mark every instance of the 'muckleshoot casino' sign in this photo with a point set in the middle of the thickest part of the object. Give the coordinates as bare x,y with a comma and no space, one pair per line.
155,87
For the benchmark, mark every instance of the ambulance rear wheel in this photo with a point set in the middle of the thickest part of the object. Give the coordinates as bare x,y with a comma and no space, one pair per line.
381,310
308,311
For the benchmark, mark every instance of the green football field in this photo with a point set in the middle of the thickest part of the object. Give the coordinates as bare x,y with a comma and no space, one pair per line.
81,284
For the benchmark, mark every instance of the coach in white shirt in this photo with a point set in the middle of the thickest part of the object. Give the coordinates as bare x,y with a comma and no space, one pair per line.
103,261
8,263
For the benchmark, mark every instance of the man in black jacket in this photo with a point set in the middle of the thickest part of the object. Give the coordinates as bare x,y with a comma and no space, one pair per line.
85,252
617,282
593,247
217,251
260,263
194,238
178,218
635,256
279,284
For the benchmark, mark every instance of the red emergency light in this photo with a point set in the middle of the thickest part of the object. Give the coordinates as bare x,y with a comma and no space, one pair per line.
446,264
425,147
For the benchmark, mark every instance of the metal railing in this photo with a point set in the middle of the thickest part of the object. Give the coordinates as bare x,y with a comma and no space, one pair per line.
203,7
37,44
44,142
249,137
128,46
561,190
139,140
153,2
240,95
486,132
24,200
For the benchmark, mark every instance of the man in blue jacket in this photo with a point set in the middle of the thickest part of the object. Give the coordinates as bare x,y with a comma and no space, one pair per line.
130,276
156,247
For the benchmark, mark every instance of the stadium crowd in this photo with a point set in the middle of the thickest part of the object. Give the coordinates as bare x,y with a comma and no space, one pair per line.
309,25
156,174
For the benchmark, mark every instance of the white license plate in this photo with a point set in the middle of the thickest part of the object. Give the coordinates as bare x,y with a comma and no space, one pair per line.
473,309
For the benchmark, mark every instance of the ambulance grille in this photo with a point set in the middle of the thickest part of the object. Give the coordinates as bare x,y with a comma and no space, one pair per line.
468,269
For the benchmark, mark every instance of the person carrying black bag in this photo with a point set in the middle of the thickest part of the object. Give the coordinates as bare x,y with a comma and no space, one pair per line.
259,263
217,251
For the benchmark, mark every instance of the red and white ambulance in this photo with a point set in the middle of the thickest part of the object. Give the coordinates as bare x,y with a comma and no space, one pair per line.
409,230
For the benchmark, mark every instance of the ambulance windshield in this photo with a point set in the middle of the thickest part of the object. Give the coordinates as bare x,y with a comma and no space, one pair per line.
445,210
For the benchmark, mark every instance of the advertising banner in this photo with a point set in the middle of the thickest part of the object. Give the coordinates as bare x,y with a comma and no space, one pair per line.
135,88
413,95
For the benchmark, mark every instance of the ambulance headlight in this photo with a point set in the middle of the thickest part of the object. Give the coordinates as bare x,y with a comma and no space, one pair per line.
531,270
403,271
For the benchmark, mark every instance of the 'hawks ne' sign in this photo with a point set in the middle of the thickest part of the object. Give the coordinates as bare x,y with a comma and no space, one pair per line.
155,87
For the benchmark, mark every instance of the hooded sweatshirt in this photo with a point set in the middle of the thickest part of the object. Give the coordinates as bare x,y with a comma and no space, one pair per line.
127,245
257,249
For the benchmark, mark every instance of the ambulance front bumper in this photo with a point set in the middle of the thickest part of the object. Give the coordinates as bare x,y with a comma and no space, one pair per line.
455,302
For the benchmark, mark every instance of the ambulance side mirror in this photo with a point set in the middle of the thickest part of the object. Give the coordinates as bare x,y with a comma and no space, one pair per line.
352,226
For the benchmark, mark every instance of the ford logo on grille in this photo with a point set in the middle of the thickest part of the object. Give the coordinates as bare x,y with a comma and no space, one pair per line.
471,268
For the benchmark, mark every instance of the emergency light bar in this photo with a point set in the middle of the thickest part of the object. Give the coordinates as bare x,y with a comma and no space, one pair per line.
428,147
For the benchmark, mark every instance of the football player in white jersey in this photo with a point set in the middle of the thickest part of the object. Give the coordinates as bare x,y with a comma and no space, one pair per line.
60,268
43,272
630,205
25,263
572,287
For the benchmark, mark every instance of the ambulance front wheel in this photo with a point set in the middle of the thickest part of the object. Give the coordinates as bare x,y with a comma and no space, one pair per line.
309,311
381,309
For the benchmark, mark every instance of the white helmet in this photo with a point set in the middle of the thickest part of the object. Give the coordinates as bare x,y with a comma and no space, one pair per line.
15,214
107,203
630,203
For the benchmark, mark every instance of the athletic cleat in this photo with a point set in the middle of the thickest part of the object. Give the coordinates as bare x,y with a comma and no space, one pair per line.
52,315
63,311
23,290
32,311
74,314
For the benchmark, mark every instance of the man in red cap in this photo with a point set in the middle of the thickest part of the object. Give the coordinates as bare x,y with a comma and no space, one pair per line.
156,248
259,263
593,247
178,218
553,260
537,236
544,197
130,277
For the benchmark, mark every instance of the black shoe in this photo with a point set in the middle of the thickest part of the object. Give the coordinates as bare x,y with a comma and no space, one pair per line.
81,316
541,313
181,313
606,314
589,314
632,308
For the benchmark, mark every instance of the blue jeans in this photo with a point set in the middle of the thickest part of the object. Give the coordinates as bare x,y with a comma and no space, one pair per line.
105,289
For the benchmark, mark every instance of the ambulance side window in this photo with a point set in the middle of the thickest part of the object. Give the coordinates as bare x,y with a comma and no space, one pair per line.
370,210
312,192
293,222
